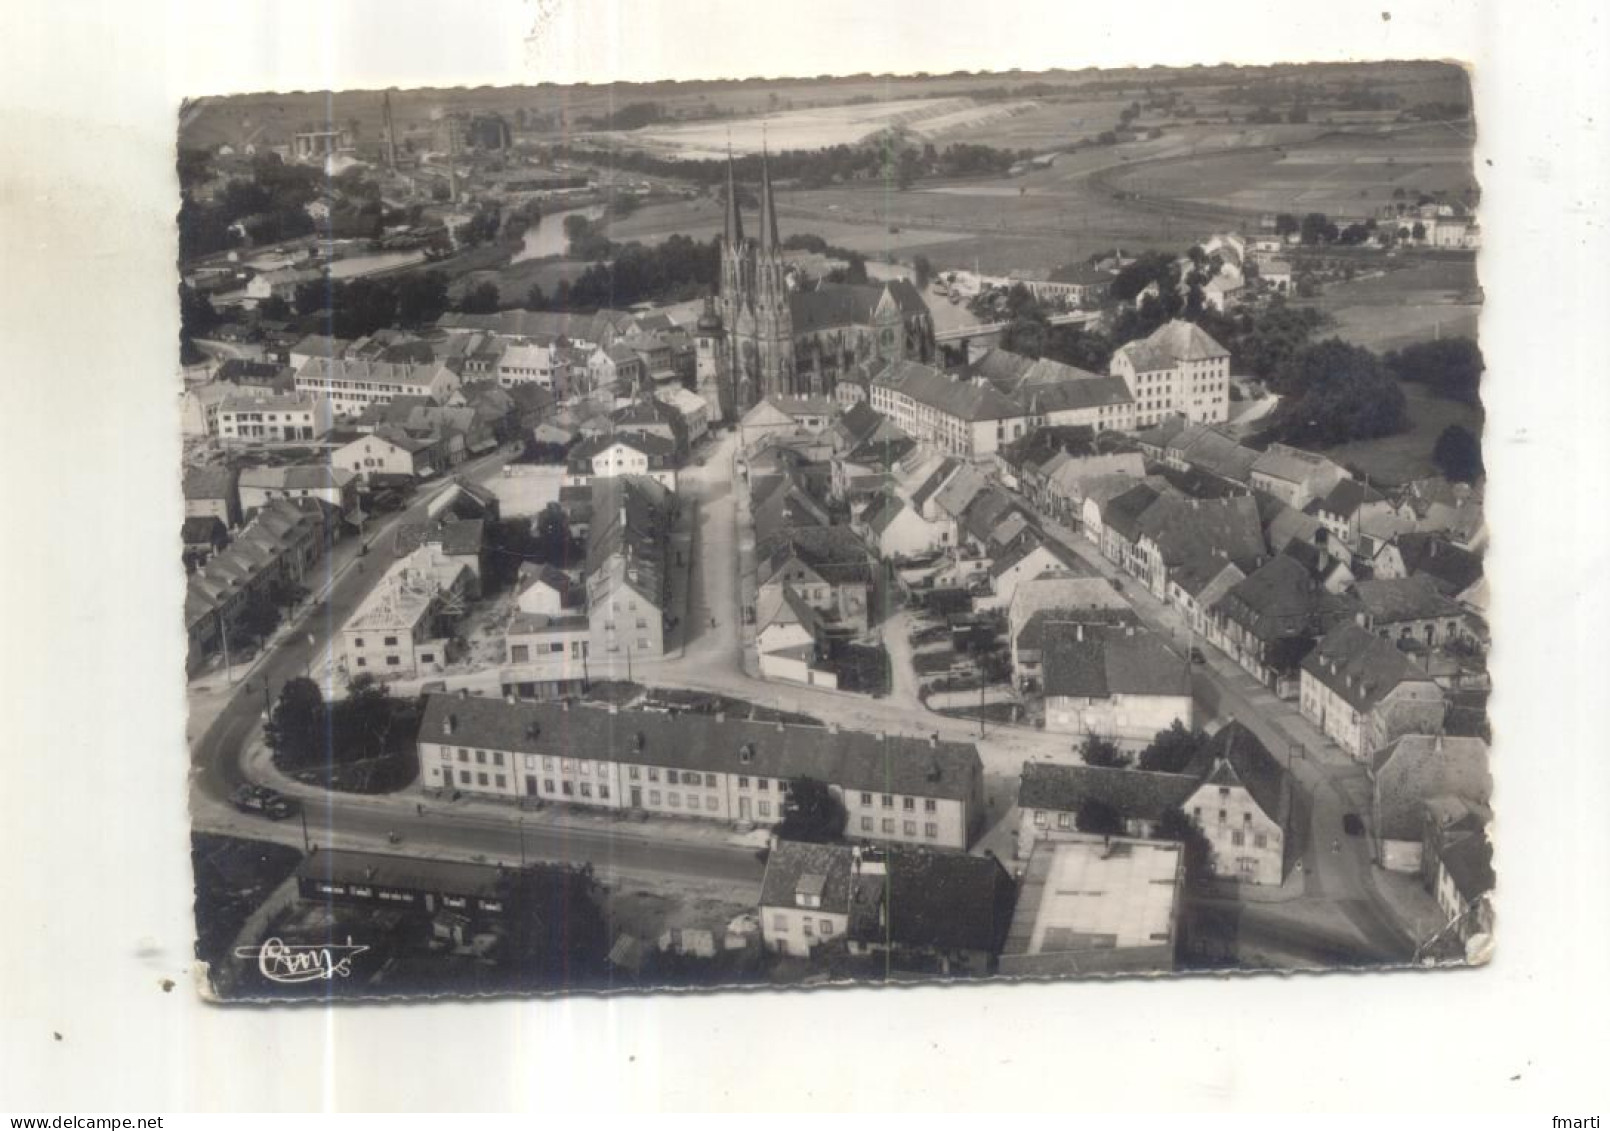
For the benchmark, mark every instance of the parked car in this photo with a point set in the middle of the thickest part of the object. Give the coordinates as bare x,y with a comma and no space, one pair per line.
1352,825
1197,657
1116,584
260,799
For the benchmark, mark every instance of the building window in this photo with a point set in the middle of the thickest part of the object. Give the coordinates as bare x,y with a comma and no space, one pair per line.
480,778
930,830
603,791
566,788
909,804
827,928
888,824
1259,840
1238,838
463,777
674,800
1040,819
654,774
709,781
587,789
547,785
1221,816
633,772
743,783
930,806
389,641
711,803
779,923
502,781
480,757
909,828
653,797
765,808
888,802
866,824
810,928
670,777
763,784
1064,821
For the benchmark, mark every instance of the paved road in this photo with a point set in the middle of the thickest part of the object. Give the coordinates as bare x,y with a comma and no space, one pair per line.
615,850
713,661
1330,782
215,755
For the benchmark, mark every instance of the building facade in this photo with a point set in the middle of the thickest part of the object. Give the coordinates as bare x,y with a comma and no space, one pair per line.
708,767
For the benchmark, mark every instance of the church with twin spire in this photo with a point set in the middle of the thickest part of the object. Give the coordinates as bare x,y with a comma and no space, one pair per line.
774,332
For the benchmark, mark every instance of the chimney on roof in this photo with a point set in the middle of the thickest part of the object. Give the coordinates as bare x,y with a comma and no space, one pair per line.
933,740
463,693
1079,631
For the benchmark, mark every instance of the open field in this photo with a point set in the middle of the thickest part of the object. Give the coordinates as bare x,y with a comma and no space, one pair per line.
1396,459
817,127
1083,97
1349,174
1405,305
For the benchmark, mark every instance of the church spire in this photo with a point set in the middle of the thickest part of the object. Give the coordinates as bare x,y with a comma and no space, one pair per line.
735,221
768,204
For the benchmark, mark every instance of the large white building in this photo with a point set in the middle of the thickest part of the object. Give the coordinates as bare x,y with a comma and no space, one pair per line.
404,625
895,788
966,417
248,419
1179,369
352,385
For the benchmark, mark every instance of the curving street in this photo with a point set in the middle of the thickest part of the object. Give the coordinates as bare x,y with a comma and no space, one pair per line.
1328,911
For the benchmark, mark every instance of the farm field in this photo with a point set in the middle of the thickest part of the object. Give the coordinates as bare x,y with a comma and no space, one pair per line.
1349,174
817,127
1396,459
1384,328
1412,304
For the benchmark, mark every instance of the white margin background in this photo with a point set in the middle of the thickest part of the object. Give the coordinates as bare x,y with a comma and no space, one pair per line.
96,878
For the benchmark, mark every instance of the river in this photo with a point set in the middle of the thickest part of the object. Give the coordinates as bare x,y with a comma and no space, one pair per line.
547,238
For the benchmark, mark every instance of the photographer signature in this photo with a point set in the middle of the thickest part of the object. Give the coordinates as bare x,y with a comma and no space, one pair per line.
292,963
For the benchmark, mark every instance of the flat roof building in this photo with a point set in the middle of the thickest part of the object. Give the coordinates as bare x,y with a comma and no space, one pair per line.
1096,905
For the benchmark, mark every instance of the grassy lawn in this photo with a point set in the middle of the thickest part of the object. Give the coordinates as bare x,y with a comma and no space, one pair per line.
1396,459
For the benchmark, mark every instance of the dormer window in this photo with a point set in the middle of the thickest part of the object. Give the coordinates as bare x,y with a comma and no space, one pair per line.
746,754
808,892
